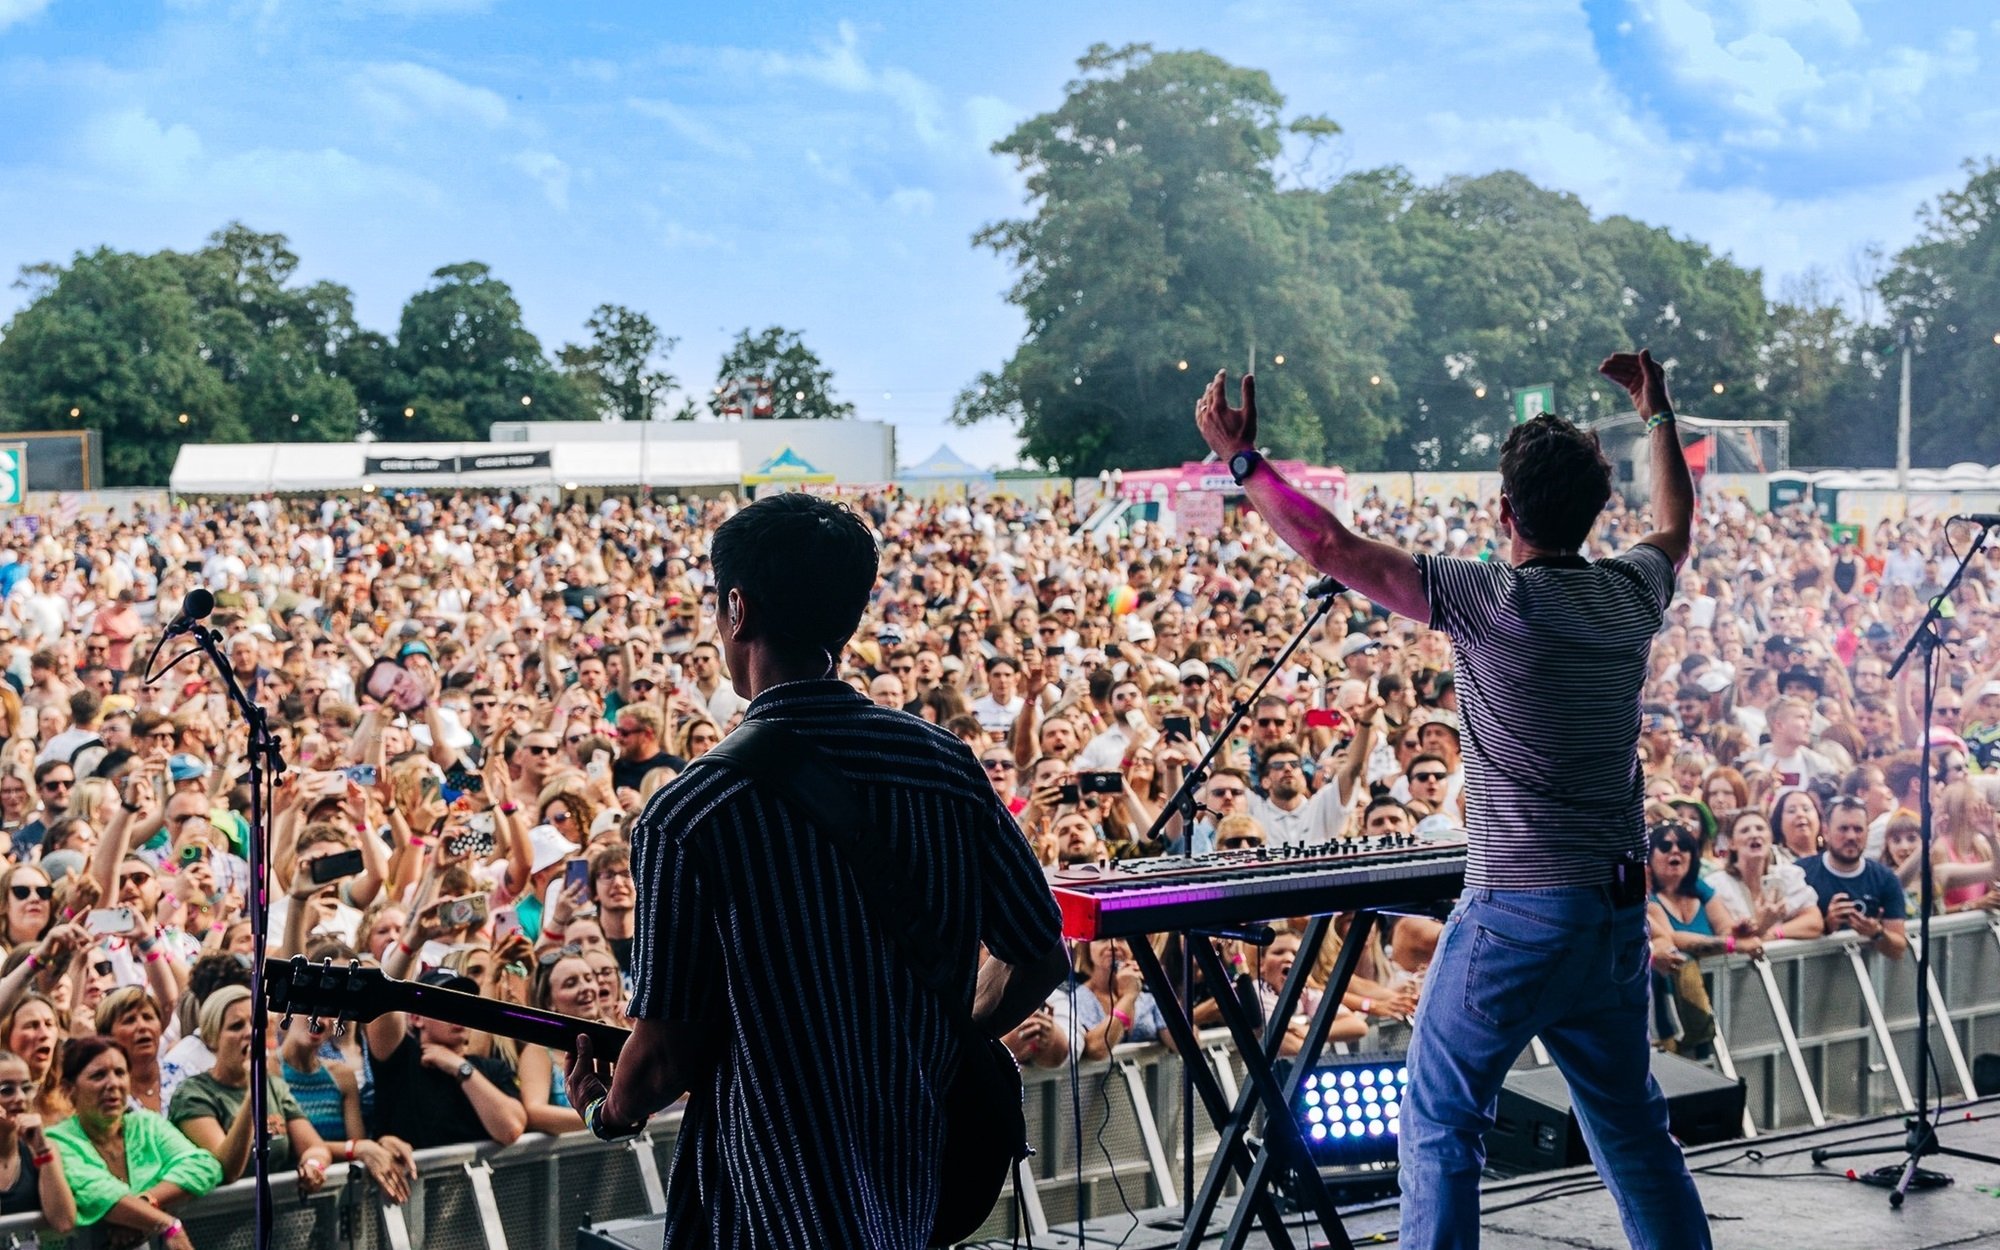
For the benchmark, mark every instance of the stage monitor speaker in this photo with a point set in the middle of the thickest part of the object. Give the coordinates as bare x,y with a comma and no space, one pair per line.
1535,1129
640,1233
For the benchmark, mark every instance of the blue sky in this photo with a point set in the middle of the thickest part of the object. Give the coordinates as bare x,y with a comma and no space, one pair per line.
824,166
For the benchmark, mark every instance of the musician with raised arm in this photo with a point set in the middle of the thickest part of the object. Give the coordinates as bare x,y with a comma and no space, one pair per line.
1549,938
767,984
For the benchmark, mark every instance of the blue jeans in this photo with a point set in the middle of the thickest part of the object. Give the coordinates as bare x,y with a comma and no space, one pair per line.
1568,966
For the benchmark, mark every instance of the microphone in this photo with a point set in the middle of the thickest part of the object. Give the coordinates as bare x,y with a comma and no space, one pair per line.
1324,588
1991,520
194,609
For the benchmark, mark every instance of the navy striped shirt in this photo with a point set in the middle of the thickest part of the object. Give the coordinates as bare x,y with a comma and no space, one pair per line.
1550,660
821,1124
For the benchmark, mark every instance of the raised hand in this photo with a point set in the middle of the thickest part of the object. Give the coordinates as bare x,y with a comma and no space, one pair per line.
1228,430
1643,379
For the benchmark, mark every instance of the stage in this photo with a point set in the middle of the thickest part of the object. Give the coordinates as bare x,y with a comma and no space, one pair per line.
1776,1199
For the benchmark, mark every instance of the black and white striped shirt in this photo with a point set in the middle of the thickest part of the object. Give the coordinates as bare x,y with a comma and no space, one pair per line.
1551,664
820,1125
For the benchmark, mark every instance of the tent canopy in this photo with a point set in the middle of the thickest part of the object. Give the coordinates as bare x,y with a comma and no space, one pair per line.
944,462
258,468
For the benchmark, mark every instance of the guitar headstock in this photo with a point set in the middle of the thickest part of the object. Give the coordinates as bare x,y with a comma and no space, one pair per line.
328,991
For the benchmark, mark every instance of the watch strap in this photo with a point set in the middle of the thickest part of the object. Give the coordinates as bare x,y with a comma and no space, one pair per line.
1244,463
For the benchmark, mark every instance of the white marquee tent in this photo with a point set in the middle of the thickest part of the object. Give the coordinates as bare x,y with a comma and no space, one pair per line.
259,468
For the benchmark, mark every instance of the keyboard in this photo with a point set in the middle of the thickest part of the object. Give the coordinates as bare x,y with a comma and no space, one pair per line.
1168,893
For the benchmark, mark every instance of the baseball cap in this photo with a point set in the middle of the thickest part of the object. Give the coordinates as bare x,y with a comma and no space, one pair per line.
891,634
184,767
1137,630
1781,642
1990,690
445,979
1877,632
1712,680
1063,603
1195,670
415,646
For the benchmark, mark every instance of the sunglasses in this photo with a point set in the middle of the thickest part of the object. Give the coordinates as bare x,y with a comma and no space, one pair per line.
1428,776
102,968
1230,792
26,892
53,784
1268,721
902,668
1237,844
539,750
573,739
644,686
998,766
134,878
1279,766
1675,844
568,950
485,705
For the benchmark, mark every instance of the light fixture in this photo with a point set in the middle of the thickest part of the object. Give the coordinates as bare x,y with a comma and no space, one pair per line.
1182,366
295,418
1374,379
1278,359
527,400
569,485
1350,1109
1717,388
77,412
1996,340
799,395
184,418
1479,392
368,488
408,413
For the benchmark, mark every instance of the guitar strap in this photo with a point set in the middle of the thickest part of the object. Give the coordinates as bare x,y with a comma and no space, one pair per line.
793,767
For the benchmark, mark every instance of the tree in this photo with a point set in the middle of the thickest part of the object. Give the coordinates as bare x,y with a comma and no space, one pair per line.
463,360
1946,288
277,346
621,372
776,364
116,338
1161,248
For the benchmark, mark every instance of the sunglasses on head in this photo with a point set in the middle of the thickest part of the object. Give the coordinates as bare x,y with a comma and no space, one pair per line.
26,892
550,958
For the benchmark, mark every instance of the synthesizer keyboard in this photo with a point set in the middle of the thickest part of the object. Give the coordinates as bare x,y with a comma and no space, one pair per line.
1139,896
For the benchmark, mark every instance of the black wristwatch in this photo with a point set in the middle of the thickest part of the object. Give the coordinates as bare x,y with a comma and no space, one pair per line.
465,1070
1243,463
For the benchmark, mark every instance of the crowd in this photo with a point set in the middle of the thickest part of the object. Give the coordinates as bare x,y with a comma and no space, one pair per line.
476,695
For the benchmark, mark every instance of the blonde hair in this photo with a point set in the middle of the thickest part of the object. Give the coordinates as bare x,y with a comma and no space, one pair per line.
208,1021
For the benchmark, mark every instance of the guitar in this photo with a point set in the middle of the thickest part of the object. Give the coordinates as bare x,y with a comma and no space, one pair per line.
983,1107
352,993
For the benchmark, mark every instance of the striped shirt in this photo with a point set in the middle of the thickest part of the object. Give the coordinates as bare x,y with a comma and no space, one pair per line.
820,1124
1551,662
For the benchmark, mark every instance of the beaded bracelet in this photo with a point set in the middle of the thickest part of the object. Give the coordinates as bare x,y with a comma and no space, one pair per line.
43,1159
1664,416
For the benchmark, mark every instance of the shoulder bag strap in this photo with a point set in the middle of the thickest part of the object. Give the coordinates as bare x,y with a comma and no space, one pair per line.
797,769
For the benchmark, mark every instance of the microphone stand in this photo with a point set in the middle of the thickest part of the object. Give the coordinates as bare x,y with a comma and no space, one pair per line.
266,765
1185,805
1919,1133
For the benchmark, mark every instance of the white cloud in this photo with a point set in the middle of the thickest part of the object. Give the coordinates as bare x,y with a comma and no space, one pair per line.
689,127
675,235
401,93
549,171
132,143
12,11
912,201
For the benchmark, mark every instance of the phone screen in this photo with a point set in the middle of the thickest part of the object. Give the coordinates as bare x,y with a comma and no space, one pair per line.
577,874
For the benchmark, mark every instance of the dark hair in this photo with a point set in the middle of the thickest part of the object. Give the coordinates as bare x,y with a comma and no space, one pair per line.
1678,830
80,1052
1556,481
805,564
1381,801
1425,757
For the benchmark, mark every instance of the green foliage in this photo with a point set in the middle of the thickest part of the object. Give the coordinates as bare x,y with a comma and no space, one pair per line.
1160,236
463,360
799,386
621,372
1946,287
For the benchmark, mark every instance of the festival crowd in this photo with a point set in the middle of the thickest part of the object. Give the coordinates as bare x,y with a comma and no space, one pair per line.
474,697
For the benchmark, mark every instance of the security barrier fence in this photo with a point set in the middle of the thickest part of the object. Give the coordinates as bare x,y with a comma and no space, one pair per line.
1818,1031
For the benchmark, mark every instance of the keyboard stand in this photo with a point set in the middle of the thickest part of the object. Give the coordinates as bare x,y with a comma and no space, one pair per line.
1284,1144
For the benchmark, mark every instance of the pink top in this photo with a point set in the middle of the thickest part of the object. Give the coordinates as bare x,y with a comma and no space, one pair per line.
1958,896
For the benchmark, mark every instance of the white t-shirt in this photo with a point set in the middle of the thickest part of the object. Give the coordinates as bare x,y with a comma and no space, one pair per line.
1785,881
994,716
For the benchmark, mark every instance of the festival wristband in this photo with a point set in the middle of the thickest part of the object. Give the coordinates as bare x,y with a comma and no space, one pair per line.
1777,933
348,1155
1121,1017
33,961
170,1231
43,1159
1664,416
1729,944
1367,1006
593,1119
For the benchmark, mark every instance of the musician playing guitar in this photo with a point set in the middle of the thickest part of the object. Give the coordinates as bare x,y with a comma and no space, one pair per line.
766,984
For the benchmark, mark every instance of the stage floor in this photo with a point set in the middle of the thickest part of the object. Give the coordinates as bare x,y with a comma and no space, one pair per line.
1780,1200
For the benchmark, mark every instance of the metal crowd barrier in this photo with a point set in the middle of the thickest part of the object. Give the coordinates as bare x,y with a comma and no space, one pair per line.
1818,1030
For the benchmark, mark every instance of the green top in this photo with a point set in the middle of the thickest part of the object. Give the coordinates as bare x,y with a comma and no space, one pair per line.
202,1095
155,1151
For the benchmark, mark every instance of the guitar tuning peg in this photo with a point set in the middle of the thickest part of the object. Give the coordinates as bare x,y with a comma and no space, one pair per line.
315,1025
286,1023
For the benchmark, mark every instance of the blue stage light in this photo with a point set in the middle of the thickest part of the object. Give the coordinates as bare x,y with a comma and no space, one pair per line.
1350,1109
